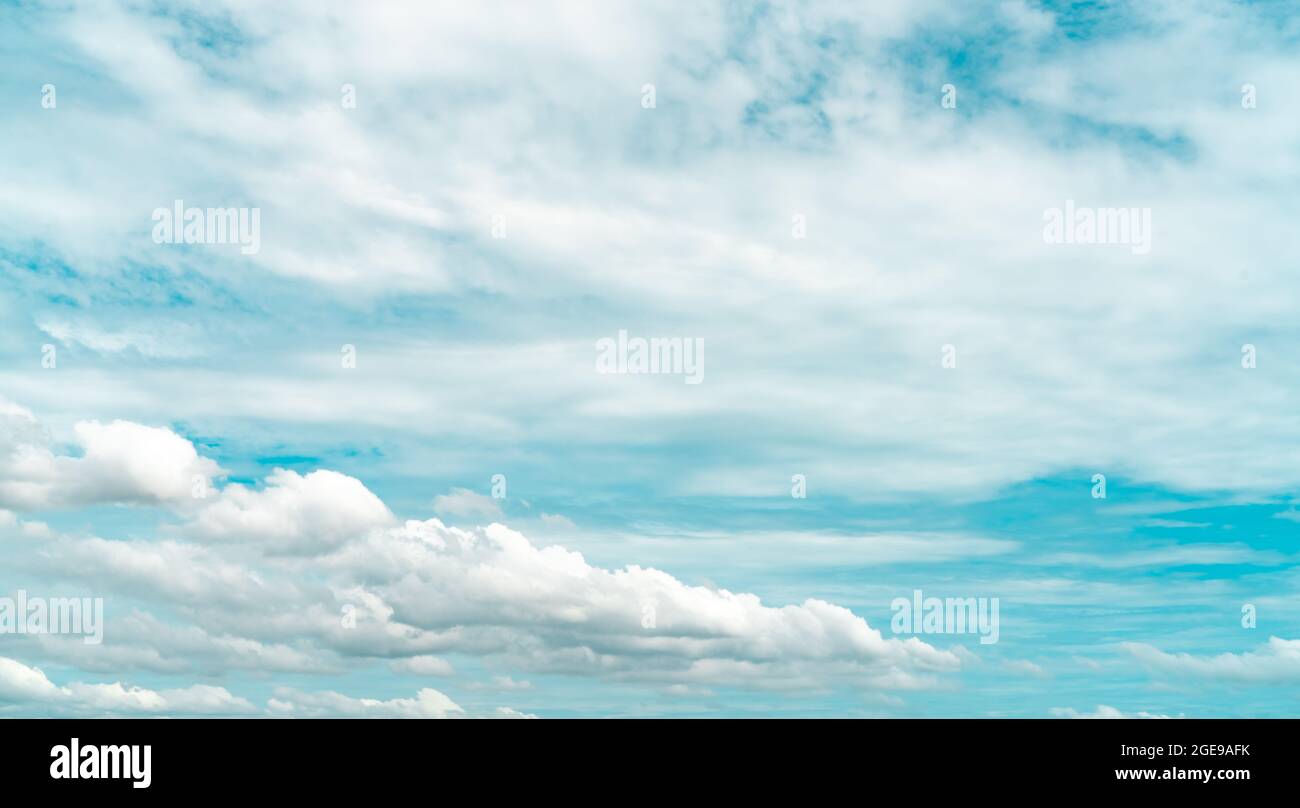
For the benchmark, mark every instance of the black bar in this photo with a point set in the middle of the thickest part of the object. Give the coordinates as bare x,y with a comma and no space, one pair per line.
434,760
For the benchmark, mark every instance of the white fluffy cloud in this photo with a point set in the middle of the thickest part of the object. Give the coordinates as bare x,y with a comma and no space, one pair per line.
294,513
121,462
424,588
357,585
491,589
22,684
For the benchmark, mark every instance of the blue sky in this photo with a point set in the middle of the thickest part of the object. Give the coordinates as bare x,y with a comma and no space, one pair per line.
800,198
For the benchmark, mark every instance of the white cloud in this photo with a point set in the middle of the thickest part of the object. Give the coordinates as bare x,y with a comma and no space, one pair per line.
422,588
1102,711
23,684
490,590
428,703
127,461
424,665
1277,661
121,462
198,699
294,514
169,570
506,712
20,683
141,641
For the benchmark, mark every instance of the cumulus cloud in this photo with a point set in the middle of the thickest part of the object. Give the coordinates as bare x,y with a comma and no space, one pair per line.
21,684
294,513
121,462
491,590
411,591
425,588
